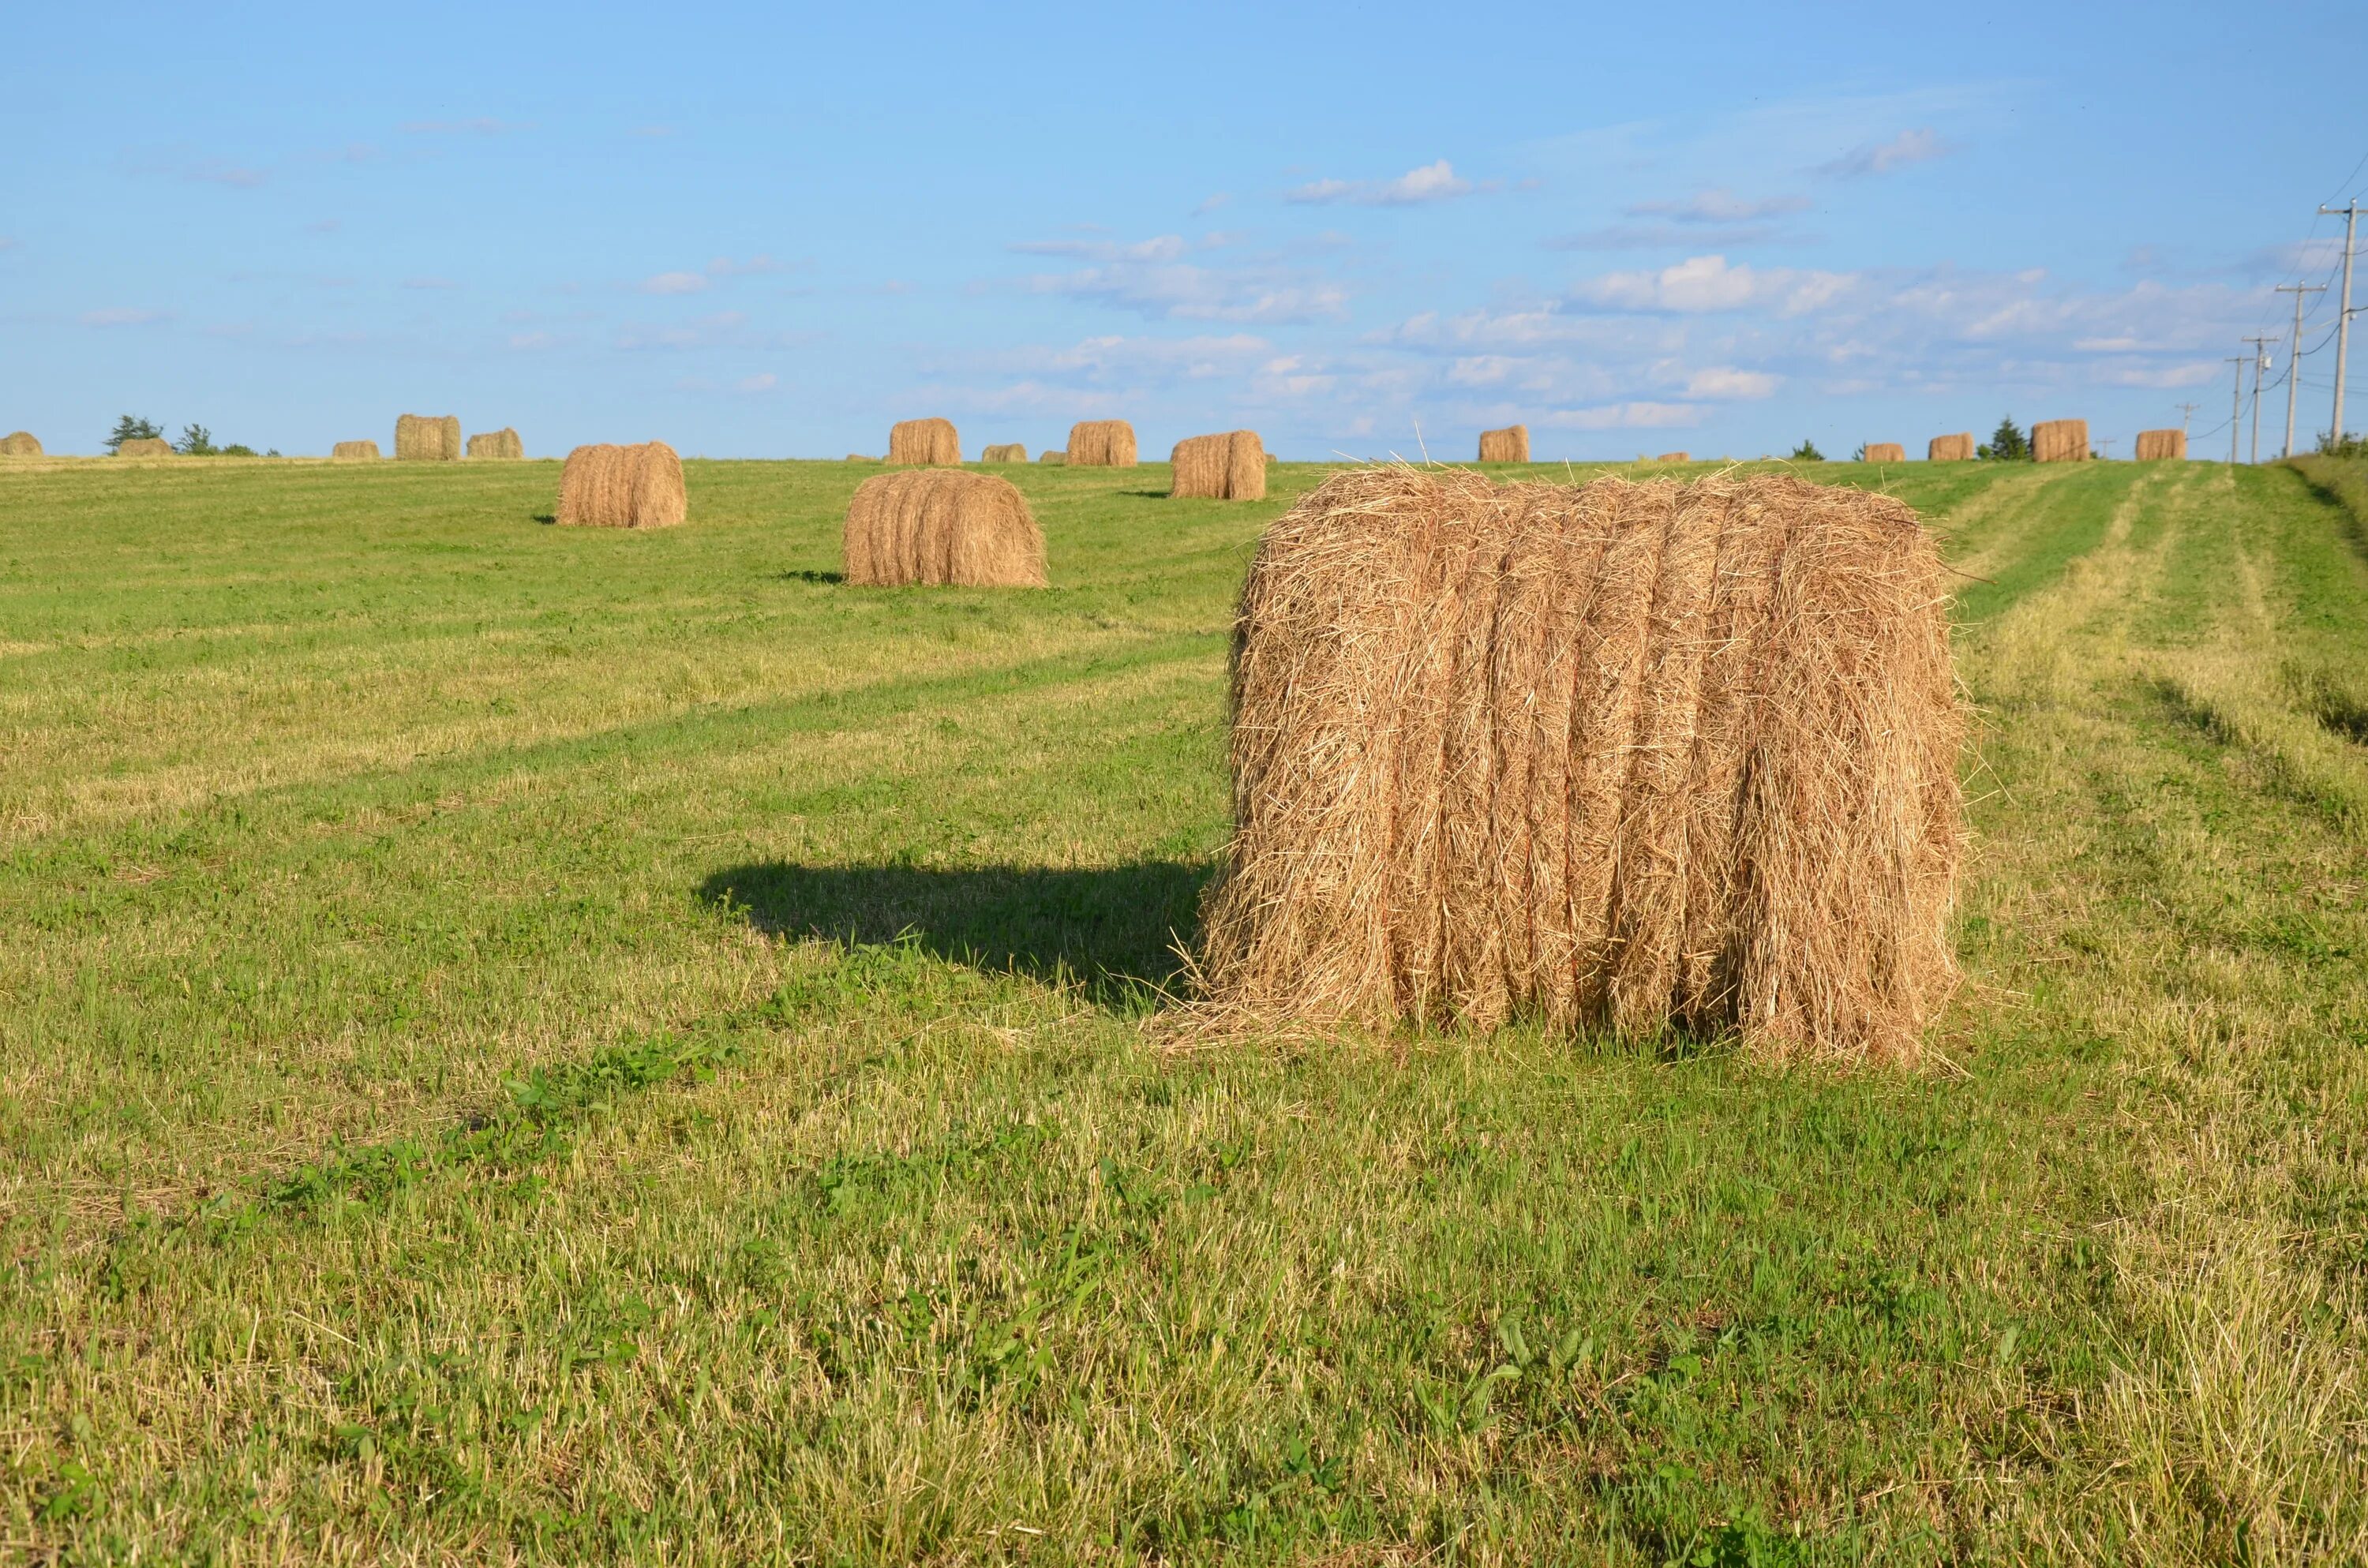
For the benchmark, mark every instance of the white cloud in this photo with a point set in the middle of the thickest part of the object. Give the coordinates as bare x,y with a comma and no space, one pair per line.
762,382
1210,203
1725,381
674,283
1164,248
1623,416
1148,279
1718,207
122,315
1916,146
1708,283
1432,182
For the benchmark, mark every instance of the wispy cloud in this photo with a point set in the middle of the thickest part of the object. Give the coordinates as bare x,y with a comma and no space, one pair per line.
654,130
764,381
754,266
1718,207
1918,146
480,125
1639,415
216,171
1432,182
674,283
724,329
1151,279
123,315
324,226
1210,203
1164,247
1711,283
7,242
430,283
1727,382
1665,236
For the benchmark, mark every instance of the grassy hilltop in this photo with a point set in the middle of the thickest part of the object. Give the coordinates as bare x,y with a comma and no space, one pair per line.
522,1042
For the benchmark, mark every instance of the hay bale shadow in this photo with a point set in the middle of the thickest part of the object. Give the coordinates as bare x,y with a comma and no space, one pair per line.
1111,930
827,579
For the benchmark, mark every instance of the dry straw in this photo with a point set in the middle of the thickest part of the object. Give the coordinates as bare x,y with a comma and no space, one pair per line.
422,437
936,527
354,451
19,444
145,446
1510,445
1101,443
1886,452
1617,755
2060,441
921,442
1231,467
1012,452
503,444
2154,445
622,487
1956,449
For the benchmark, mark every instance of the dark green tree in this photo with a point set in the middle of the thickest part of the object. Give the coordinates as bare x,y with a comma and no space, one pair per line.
1806,452
2007,444
196,441
130,430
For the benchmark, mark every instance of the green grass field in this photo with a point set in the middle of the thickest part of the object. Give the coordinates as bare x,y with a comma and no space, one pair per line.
535,1044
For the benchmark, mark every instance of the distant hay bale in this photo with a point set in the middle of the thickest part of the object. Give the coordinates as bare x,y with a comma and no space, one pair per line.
1886,452
622,487
19,444
424,437
924,441
1053,457
860,458
145,446
354,451
1626,754
503,444
2156,446
2060,441
957,529
1673,457
1231,467
1957,449
1510,445
1101,443
1010,452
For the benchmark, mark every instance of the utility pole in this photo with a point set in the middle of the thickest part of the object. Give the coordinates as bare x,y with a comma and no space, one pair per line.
2343,314
2294,352
2106,444
2260,358
2186,417
2235,404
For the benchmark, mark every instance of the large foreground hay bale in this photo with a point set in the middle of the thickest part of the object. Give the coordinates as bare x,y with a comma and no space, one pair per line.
1101,443
354,451
20,444
622,487
1231,467
1886,452
1625,755
422,438
940,526
2154,445
1009,452
502,444
145,446
924,441
2060,441
1956,449
1053,457
1510,445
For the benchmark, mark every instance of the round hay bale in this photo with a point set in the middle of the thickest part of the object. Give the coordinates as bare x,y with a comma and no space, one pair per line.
1510,445
940,526
502,445
622,487
19,444
1101,443
860,458
2060,441
1673,457
924,441
354,451
1013,452
428,438
1619,755
1052,457
1231,467
1886,452
2160,446
1956,449
146,446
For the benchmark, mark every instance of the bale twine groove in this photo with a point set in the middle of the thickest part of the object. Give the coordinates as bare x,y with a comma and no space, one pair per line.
20,444
503,444
422,438
1956,449
937,526
354,451
607,486
1510,445
2060,441
1101,443
1625,756
920,442
1886,452
2156,446
1231,467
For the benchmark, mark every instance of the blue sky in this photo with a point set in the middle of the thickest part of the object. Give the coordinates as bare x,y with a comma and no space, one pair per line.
772,231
